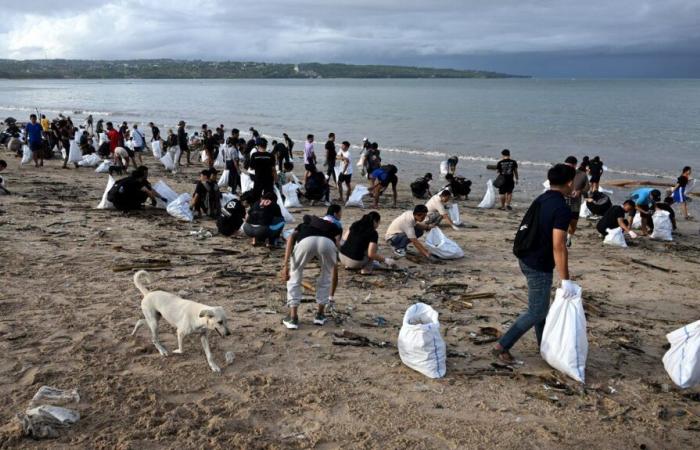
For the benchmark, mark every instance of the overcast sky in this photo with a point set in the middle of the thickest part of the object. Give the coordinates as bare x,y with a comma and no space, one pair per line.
582,38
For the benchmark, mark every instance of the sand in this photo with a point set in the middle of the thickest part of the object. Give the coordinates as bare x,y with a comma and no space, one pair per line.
66,318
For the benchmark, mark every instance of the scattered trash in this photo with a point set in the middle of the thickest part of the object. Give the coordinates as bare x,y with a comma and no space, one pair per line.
40,422
201,234
53,396
349,338
229,357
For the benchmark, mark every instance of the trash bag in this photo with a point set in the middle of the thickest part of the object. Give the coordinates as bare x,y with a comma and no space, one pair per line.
564,342
637,221
223,179
490,196
359,191
663,229
615,237
682,360
288,217
291,197
103,138
74,153
453,212
104,166
219,162
440,246
91,160
104,203
605,191
168,162
26,155
246,182
180,208
162,188
203,156
443,168
420,344
584,213
156,149
54,396
546,185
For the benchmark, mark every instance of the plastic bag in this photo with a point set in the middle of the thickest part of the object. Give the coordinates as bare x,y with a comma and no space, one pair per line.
103,139
223,180
104,203
663,228
546,185
564,342
443,168
91,160
453,212
164,191
246,182
61,416
288,217
104,166
440,246
490,196
203,156
26,155
219,162
291,199
615,237
156,149
420,344
637,221
226,197
605,191
54,396
584,213
180,208
682,360
168,162
74,153
359,191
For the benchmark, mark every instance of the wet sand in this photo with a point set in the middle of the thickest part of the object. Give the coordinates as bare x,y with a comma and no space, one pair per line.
66,316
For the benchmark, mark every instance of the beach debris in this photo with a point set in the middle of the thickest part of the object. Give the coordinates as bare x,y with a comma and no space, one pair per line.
229,357
486,335
348,338
201,234
54,396
146,264
41,422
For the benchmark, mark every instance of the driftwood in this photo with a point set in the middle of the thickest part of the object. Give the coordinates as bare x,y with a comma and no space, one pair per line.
149,264
348,338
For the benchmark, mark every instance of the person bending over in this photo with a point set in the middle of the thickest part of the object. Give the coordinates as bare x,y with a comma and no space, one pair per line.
131,193
233,214
359,249
436,209
616,217
406,229
264,222
381,178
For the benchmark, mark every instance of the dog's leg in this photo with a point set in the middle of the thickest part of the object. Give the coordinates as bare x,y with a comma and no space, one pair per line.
180,338
138,325
153,325
207,352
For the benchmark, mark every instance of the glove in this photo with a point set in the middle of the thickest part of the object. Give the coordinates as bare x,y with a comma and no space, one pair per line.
455,227
570,288
389,262
633,235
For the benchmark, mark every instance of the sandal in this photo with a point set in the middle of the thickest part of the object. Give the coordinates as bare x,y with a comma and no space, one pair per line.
502,355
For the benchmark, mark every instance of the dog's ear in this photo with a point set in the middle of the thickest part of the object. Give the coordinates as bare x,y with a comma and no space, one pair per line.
206,313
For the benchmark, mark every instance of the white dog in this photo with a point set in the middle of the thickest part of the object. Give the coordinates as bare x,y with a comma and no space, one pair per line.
187,316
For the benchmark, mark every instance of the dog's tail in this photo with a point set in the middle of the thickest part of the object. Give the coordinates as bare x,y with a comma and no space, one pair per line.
138,276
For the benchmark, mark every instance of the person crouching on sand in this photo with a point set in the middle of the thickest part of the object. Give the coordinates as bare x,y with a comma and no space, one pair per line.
359,249
406,229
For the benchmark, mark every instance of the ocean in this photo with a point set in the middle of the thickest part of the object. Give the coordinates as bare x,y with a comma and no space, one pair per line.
640,128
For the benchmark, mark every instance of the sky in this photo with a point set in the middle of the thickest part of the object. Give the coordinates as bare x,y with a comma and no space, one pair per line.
577,39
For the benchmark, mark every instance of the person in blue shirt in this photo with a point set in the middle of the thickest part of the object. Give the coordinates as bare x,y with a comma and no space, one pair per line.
34,133
538,262
644,200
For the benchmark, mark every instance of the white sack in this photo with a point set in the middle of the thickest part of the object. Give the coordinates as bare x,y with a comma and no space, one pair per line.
605,191
156,149
453,212
546,185
584,213
288,217
26,155
223,180
564,342
74,153
103,139
219,162
420,344
615,237
359,191
204,157
168,162
104,203
226,197
637,221
91,160
246,182
682,360
440,246
291,198
104,166
443,168
490,196
164,191
180,208
663,228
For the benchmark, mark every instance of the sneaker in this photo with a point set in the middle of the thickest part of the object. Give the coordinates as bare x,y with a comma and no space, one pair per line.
292,323
568,241
509,208
326,203
320,319
400,252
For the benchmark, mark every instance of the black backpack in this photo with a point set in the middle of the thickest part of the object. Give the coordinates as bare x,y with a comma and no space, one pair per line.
419,187
526,238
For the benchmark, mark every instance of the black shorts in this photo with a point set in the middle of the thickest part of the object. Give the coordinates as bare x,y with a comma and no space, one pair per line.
389,180
310,168
138,149
36,146
129,152
507,186
595,178
344,178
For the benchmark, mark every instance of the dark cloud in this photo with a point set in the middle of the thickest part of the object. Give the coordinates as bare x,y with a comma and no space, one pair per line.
413,32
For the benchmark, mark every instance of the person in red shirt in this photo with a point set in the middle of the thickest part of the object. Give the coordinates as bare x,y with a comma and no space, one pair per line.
113,136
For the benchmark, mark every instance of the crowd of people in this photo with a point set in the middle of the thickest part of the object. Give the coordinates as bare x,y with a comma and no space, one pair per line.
258,170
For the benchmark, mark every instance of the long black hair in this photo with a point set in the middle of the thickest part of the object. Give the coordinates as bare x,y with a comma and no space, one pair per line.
366,222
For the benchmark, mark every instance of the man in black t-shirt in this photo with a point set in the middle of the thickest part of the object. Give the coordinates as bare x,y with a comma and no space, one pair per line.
182,142
155,132
547,251
331,156
314,238
263,163
131,192
281,154
290,144
508,173
615,217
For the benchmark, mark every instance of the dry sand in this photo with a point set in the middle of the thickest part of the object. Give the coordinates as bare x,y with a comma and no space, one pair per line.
66,318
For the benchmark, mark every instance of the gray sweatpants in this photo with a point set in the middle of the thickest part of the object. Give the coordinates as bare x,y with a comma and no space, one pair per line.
307,249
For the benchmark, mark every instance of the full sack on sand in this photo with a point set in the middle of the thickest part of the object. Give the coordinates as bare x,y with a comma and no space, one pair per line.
420,344
682,360
489,200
